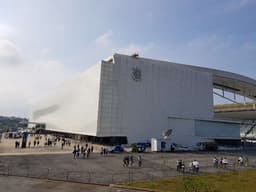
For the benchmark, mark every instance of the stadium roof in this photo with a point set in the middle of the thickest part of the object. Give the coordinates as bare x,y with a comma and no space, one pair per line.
232,82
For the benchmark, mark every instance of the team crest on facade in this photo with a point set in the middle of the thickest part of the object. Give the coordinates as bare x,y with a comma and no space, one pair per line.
136,74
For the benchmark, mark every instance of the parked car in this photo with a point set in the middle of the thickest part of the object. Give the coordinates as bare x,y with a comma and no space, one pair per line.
141,147
208,146
116,149
178,147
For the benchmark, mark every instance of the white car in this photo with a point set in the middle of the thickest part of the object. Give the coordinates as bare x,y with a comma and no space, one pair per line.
178,147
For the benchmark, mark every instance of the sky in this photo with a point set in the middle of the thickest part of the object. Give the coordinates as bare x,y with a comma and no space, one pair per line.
46,42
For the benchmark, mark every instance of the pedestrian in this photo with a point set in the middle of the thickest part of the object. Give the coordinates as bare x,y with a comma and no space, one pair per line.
62,145
84,152
77,151
139,161
125,161
37,142
101,151
92,148
240,161
178,165
88,152
34,143
131,160
221,162
74,152
215,162
195,165
225,162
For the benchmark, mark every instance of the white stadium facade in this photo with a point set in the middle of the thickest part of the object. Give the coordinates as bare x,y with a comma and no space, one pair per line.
127,99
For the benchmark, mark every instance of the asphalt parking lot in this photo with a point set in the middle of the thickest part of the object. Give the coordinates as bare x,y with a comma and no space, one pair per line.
109,169
55,169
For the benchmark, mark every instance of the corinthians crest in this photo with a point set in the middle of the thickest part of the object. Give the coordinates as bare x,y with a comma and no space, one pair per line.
136,74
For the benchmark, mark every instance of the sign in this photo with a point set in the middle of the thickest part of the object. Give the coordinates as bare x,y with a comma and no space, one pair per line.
136,74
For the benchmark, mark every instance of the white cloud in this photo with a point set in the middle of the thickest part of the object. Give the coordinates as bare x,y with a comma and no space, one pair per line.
135,48
23,84
9,53
46,51
105,45
104,39
5,30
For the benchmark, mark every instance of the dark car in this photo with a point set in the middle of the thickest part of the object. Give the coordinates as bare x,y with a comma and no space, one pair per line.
141,146
116,149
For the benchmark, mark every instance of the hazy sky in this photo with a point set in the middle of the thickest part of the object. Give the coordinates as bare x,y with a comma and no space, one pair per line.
44,42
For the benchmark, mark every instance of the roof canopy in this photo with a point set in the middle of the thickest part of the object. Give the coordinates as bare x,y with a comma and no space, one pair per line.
232,82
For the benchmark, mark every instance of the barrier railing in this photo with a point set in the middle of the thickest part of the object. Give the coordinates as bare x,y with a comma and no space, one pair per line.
129,174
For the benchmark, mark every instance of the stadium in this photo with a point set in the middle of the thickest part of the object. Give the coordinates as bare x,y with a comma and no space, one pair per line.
127,99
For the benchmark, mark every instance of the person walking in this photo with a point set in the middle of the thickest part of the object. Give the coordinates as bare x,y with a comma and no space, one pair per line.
195,165
225,162
131,160
88,152
74,152
139,161
215,162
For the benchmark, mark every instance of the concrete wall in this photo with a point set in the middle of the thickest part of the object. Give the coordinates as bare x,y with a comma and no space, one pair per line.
109,103
183,131
74,106
217,130
192,131
140,109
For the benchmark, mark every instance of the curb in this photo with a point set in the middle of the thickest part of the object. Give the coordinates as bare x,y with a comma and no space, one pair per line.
134,188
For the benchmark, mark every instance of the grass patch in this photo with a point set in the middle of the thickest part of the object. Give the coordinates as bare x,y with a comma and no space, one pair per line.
242,181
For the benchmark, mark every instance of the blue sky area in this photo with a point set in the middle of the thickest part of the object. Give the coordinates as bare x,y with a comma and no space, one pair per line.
45,42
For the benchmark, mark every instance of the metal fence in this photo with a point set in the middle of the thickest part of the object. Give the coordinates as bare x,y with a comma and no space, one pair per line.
128,175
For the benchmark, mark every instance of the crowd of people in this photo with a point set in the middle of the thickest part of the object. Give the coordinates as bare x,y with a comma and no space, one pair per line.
85,151
217,163
224,163
34,140
103,151
128,161
193,166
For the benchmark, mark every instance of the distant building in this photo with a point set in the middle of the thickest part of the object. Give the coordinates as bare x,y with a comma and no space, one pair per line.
131,99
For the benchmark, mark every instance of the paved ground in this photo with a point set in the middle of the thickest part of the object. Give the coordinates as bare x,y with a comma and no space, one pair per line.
21,184
56,164
7,146
108,169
